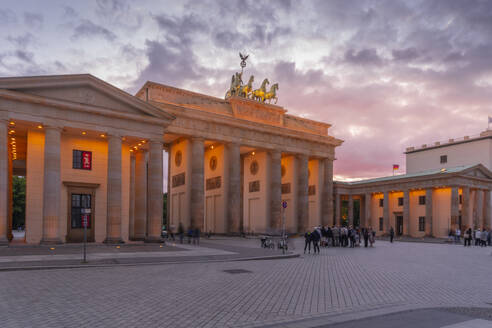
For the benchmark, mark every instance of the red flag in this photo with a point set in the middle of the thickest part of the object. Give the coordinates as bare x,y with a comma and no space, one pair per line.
396,166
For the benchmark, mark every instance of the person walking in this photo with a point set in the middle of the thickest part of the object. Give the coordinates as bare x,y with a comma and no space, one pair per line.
392,234
478,235
316,237
307,242
467,237
483,238
329,236
489,238
181,232
372,235
365,234
196,236
457,235
336,236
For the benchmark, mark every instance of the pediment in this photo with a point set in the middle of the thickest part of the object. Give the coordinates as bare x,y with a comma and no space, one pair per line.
478,171
83,89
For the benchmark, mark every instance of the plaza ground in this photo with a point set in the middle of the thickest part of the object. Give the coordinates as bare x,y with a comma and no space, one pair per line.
309,291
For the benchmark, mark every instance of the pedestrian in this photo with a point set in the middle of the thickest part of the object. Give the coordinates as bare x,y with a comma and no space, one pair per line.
170,233
372,236
392,234
190,234
181,232
307,242
329,236
467,237
489,238
483,238
316,237
478,235
365,234
336,236
352,237
196,236
451,235
457,235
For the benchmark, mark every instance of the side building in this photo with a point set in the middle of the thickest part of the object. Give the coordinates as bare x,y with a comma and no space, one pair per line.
447,186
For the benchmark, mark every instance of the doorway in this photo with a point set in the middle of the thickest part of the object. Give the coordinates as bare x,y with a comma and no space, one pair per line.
399,225
80,199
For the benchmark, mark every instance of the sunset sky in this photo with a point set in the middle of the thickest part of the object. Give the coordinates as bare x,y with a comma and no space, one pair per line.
386,74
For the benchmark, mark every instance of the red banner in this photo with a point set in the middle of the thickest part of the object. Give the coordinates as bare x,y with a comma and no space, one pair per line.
86,160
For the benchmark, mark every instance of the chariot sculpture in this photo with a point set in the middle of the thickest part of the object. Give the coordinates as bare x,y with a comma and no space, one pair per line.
237,88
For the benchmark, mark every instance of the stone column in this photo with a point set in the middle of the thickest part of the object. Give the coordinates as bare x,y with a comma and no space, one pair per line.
51,186
350,210
428,212
302,194
275,190
168,202
337,220
406,212
154,218
465,209
140,223
327,196
487,210
4,182
479,208
386,216
234,192
197,183
368,210
131,230
113,224
455,210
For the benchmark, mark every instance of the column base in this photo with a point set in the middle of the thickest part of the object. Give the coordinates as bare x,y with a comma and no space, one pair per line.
137,239
113,241
47,241
157,240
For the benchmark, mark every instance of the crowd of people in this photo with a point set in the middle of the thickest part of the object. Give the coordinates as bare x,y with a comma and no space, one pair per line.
478,237
338,237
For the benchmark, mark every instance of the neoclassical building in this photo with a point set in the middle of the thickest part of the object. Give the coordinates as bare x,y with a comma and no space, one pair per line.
86,146
447,186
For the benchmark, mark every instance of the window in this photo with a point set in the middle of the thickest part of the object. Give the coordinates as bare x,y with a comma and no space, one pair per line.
381,224
381,202
79,202
421,223
461,199
82,160
444,159
400,201
421,200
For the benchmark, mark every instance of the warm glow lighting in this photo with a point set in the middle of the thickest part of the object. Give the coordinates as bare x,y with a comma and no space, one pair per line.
12,131
212,147
123,138
139,144
84,133
118,247
135,147
12,123
102,135
40,126
52,248
253,153
143,141
131,150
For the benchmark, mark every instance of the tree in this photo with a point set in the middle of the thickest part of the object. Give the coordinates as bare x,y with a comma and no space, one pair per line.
19,201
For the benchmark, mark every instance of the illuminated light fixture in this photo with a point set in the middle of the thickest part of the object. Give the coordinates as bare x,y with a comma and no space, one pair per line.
212,147
135,147
123,138
52,248
443,169
143,141
102,135
118,247
13,138
12,123
131,150
12,131
40,126
160,246
84,133
253,153
139,144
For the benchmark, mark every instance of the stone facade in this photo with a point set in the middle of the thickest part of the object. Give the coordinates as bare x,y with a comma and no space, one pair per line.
86,146
428,203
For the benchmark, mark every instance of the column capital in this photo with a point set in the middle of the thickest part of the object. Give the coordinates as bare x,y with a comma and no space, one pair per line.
197,139
302,156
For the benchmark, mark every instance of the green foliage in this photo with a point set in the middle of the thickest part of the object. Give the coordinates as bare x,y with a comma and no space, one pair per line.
19,201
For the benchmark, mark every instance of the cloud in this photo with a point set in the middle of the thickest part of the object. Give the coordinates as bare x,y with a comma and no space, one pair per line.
87,29
7,16
33,20
363,57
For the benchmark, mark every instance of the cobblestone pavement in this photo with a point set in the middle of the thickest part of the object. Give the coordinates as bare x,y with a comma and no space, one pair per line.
309,291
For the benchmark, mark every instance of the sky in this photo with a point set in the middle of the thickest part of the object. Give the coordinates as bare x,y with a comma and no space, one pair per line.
386,74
